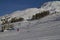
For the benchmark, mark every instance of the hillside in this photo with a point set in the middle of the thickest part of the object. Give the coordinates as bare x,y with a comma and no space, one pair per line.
46,28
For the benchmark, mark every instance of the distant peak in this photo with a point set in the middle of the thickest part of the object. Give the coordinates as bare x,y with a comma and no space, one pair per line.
52,6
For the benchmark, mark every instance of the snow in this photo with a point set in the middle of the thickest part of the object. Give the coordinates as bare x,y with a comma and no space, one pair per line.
43,29
51,6
47,28
35,30
25,13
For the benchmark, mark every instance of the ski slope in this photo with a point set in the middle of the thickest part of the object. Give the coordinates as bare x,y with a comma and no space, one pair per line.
47,28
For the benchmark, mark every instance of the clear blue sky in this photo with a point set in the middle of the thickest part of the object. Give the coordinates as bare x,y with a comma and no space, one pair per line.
9,6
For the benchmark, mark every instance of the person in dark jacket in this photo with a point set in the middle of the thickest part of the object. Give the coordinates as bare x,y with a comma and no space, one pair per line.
17,29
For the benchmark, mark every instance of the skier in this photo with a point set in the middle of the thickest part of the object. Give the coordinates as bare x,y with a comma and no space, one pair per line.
17,29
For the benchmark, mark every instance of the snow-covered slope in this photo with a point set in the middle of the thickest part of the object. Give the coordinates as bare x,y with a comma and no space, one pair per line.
25,13
51,6
47,28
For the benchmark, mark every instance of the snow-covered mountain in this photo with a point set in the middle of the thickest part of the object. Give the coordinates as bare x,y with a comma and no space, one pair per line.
47,28
51,6
25,13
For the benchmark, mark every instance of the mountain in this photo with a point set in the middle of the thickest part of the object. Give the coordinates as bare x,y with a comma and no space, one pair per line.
51,6
46,28
25,13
